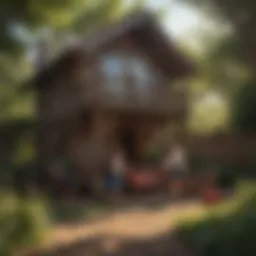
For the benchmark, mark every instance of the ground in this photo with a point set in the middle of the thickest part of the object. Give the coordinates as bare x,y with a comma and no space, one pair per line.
141,228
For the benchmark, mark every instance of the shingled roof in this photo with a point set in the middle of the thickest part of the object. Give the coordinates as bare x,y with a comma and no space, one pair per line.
146,32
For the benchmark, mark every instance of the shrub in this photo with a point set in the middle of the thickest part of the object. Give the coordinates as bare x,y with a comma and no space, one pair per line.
226,178
154,157
229,235
23,223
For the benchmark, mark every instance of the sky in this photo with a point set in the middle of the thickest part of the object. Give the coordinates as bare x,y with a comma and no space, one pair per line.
179,19
183,22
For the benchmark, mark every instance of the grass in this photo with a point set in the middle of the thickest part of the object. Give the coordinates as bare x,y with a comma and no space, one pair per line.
200,227
72,212
23,223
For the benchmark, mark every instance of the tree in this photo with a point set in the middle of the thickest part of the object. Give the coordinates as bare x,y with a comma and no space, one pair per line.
244,108
242,17
229,62
74,14
21,27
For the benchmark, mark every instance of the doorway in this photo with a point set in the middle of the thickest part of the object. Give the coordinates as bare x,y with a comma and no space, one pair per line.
128,141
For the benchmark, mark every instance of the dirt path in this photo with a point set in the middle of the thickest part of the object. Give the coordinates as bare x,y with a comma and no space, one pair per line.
125,233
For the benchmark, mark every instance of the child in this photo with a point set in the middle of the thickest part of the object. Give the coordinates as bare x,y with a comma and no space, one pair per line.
176,166
116,176
176,162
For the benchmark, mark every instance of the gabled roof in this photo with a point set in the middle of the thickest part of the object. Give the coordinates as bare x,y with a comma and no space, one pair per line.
146,32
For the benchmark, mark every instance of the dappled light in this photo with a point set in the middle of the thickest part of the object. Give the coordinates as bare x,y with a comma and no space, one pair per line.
127,127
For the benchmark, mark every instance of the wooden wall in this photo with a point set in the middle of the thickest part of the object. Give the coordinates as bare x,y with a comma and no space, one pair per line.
229,148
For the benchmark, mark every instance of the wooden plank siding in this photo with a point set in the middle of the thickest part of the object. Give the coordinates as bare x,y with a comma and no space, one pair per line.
228,148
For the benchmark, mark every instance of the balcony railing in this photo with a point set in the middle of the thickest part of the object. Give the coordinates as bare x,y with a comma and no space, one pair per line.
152,99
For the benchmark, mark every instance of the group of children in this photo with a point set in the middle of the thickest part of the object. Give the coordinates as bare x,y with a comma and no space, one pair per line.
174,164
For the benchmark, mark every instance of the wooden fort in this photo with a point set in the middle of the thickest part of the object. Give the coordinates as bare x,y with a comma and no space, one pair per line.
112,88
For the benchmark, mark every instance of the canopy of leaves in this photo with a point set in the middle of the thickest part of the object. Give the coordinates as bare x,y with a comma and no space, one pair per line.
228,62
74,14
242,17
243,108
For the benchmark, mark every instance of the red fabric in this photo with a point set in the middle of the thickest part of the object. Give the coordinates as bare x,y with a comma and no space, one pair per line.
212,196
144,179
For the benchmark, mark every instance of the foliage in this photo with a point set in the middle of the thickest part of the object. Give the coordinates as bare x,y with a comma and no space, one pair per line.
33,14
231,233
18,143
66,15
244,108
23,223
13,70
227,63
92,18
241,15
72,212
209,113
153,156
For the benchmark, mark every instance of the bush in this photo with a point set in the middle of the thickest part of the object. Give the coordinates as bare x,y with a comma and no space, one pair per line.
23,223
226,177
154,157
24,176
229,235
243,114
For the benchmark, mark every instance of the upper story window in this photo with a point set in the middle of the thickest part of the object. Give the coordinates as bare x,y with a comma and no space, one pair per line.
145,78
139,71
112,67
142,72
116,68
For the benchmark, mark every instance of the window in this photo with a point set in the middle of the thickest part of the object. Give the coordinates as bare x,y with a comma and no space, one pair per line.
144,78
139,72
142,72
117,68
112,67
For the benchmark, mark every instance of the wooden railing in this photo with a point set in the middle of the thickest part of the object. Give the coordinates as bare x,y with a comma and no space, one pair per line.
158,99
232,148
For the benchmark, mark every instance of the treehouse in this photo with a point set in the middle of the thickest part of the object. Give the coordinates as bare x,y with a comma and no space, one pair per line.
112,88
